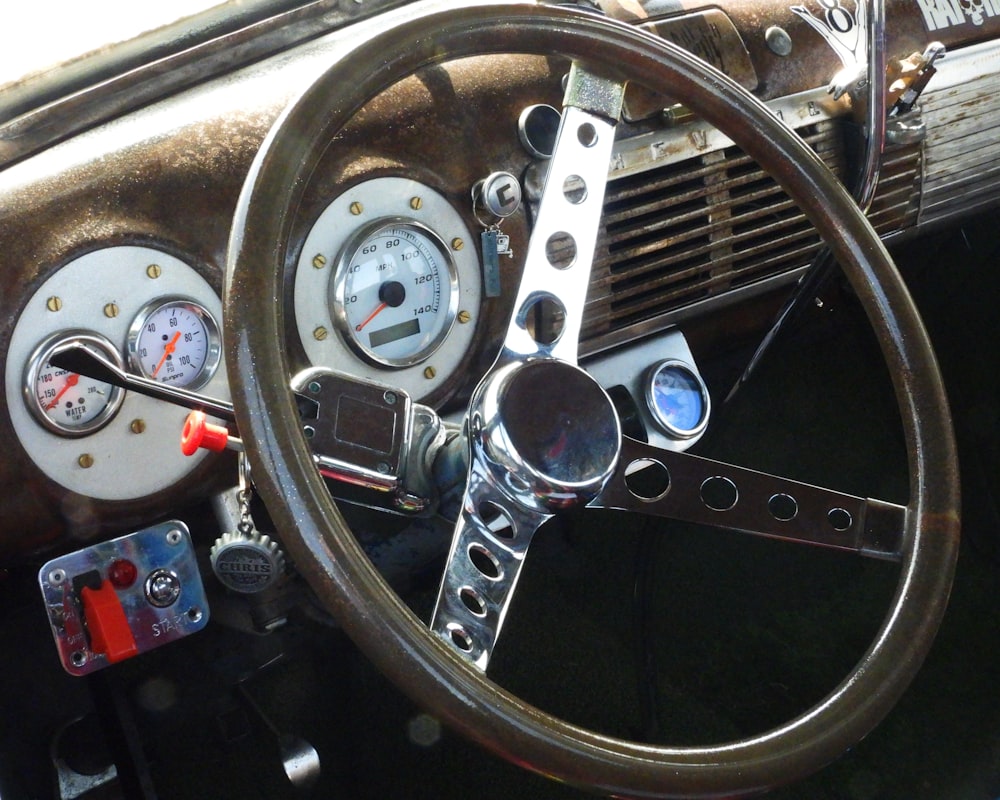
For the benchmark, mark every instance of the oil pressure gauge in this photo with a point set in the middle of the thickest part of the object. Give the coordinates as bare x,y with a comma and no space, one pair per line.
395,293
677,398
64,402
175,340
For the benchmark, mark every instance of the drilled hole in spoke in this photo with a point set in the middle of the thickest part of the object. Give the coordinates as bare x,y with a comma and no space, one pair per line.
472,600
575,189
647,479
719,494
460,638
487,563
543,318
586,135
840,519
496,520
560,250
783,507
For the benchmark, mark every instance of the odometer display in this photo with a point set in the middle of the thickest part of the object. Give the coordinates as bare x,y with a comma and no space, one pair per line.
395,293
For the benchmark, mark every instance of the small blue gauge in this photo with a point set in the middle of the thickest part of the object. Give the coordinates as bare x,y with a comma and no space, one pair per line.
677,398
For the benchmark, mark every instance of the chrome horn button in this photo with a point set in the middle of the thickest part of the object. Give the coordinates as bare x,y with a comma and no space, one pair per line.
548,432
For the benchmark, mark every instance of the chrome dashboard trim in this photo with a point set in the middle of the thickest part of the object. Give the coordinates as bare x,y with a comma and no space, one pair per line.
688,139
961,150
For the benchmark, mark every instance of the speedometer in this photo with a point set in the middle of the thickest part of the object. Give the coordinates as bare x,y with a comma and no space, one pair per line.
395,294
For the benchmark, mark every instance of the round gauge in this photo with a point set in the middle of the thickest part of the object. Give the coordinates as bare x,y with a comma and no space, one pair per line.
395,293
677,398
175,341
64,402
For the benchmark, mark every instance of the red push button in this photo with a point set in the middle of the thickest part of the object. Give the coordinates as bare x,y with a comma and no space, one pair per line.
107,623
199,432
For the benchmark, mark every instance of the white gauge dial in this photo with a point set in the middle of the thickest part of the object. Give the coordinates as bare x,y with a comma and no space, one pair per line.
395,294
176,341
64,402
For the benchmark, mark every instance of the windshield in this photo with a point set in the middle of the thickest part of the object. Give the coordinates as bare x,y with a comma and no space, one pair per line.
37,36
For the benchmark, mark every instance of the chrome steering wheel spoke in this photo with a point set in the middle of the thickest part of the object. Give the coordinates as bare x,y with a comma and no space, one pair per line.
548,311
487,552
542,434
690,488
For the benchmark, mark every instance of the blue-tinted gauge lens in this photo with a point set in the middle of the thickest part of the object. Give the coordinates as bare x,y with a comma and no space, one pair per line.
677,399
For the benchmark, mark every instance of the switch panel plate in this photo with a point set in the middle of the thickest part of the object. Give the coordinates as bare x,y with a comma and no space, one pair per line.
164,565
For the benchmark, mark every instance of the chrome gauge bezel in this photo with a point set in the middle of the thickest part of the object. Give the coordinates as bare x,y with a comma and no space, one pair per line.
40,358
448,283
663,422
213,353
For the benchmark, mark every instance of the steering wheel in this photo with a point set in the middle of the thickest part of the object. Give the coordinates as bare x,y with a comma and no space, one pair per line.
533,451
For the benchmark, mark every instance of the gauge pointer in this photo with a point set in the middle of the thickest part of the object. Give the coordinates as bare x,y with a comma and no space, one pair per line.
168,350
71,381
392,294
77,358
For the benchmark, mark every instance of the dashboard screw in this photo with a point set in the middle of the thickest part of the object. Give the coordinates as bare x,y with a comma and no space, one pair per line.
320,333
464,317
416,203
174,536
154,271
111,310
778,41
86,461
457,243
137,426
357,208
57,576
430,373
390,398
319,261
54,303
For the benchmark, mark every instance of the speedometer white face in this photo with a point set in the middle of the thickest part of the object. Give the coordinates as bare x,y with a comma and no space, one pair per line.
396,292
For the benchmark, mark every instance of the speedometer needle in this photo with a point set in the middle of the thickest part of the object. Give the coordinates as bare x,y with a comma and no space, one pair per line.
370,317
71,381
168,349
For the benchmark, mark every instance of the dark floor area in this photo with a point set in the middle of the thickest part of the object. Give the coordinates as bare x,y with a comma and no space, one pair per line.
663,633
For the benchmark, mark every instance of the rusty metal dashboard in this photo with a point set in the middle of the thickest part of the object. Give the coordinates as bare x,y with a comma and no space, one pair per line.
117,201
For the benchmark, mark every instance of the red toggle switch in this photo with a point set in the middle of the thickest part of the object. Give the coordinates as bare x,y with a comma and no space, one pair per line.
199,432
107,623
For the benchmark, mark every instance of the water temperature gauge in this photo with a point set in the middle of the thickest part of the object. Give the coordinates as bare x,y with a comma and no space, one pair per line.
174,340
64,402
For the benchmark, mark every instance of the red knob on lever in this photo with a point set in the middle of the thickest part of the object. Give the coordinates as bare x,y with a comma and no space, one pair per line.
199,432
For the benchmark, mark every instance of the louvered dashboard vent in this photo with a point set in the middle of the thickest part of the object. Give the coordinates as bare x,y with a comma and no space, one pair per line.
690,231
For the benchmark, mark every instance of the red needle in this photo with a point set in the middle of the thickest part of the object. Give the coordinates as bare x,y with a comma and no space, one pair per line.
371,316
71,381
167,350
